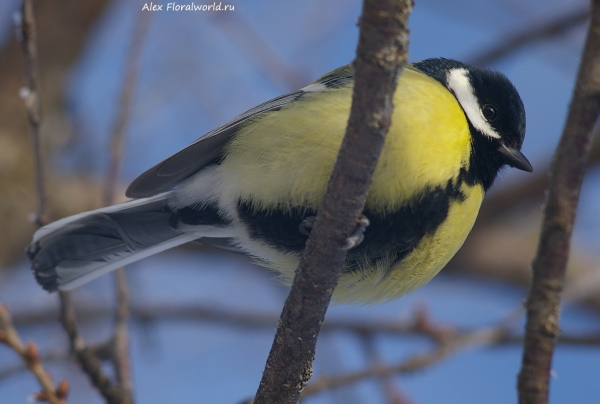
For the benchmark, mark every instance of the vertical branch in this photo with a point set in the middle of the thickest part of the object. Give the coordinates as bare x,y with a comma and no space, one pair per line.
117,348
140,31
90,363
120,351
121,340
31,95
86,356
566,174
390,391
381,54
27,35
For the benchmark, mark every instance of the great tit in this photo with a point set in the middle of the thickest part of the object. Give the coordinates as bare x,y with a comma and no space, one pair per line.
254,183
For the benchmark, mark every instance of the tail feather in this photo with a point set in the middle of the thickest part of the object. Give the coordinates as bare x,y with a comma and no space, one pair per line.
75,250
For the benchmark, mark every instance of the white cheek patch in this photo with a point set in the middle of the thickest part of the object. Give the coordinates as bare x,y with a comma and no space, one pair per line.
458,81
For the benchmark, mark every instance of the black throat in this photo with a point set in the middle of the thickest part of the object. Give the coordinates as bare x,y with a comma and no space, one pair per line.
485,162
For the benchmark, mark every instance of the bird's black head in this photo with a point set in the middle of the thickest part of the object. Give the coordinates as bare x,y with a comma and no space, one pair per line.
494,111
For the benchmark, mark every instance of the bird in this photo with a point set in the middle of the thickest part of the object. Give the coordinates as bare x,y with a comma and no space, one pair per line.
255,183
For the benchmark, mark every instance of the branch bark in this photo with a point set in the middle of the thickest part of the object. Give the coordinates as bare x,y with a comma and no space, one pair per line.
549,265
88,360
32,98
31,358
120,341
381,53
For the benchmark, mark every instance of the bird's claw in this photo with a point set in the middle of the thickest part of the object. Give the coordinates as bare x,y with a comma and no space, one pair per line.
306,225
358,235
353,241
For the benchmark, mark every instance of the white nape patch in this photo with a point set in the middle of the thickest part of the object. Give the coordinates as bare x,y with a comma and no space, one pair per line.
314,87
458,81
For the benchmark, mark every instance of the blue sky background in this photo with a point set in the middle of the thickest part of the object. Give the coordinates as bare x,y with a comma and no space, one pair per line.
194,75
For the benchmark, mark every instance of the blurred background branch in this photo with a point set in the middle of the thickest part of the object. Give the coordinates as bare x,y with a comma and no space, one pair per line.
120,353
118,344
562,199
90,363
547,30
31,358
27,34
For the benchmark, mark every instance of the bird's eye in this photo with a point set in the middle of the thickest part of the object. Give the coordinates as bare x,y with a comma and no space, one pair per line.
489,112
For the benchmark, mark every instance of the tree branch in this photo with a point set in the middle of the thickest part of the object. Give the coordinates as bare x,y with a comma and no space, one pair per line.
446,347
381,53
31,358
31,96
120,340
52,356
391,392
549,265
89,361
549,29
260,52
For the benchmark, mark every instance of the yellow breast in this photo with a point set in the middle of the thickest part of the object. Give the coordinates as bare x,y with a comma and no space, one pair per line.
285,157
427,144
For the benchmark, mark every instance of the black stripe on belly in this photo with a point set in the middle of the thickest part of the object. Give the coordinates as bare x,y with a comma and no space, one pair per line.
275,227
394,235
195,215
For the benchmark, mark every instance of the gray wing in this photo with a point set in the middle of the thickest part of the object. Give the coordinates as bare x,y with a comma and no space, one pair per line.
168,173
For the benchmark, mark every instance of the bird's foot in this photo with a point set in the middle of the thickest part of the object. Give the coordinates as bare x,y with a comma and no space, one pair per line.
351,242
306,225
359,233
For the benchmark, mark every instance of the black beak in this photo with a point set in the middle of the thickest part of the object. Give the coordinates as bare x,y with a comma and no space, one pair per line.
514,158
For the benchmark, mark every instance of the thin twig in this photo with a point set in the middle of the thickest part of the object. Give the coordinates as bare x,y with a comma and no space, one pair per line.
451,345
549,265
117,137
90,363
392,394
30,94
120,358
148,314
259,51
553,28
17,368
27,35
31,358
118,346
381,54
244,318
121,340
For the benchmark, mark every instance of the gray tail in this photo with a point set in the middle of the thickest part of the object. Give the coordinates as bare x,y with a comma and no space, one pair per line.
73,251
